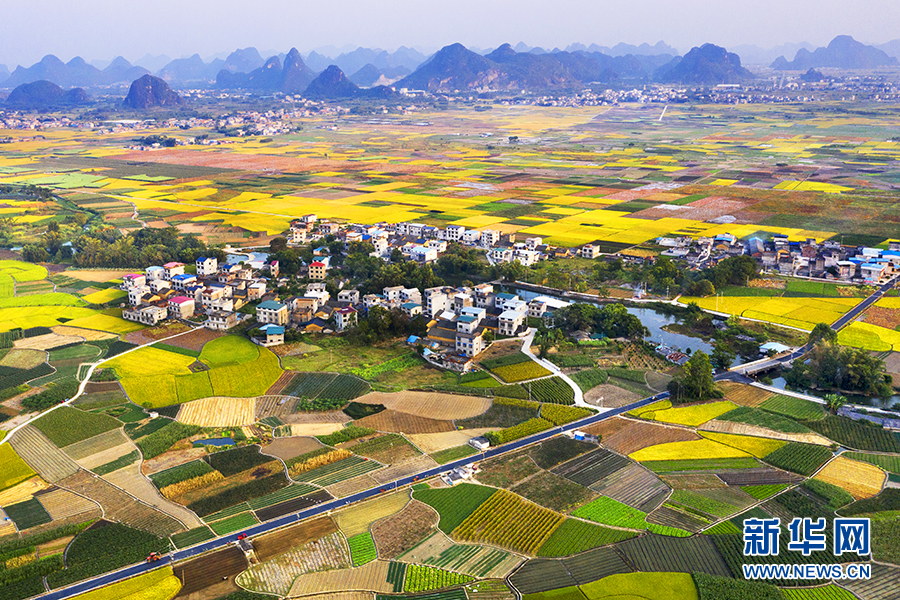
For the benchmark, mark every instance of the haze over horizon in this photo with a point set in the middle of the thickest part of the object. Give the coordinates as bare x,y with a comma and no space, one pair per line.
103,29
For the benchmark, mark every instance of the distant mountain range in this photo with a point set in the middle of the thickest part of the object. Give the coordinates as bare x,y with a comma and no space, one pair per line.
455,67
76,72
843,53
291,78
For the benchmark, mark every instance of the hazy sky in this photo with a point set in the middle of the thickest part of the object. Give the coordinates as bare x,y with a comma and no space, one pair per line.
102,29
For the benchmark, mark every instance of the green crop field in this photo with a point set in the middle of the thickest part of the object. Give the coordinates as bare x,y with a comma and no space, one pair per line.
443,457
761,492
362,549
763,418
796,408
888,462
551,389
195,468
192,536
27,514
575,536
647,586
859,435
235,523
67,425
456,503
420,578
804,459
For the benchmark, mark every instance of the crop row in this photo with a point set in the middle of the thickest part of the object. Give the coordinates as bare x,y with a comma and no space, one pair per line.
804,459
238,460
362,549
508,521
575,536
315,459
236,495
590,378
861,435
195,468
420,578
345,435
161,440
522,371
553,390
560,415
529,427
456,503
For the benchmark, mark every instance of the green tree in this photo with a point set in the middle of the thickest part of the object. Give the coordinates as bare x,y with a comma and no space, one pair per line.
835,402
723,356
822,333
696,380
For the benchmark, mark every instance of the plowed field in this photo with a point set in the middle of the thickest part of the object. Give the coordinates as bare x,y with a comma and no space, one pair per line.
398,422
431,405
219,412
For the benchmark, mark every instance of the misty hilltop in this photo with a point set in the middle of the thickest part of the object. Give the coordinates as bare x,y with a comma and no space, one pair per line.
842,53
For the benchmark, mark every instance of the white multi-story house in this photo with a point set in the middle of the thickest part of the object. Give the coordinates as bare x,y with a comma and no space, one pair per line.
207,266
455,232
489,237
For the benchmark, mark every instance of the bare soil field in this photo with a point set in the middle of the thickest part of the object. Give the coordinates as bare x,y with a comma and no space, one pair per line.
398,533
282,382
307,418
430,443
195,339
99,443
62,504
610,396
171,459
132,481
314,429
34,448
398,422
22,491
760,476
94,387
209,570
150,334
635,486
278,542
754,430
692,481
402,469
119,506
219,412
744,395
87,334
636,435
371,577
48,340
288,447
357,519
101,458
433,546
276,575
431,405
351,486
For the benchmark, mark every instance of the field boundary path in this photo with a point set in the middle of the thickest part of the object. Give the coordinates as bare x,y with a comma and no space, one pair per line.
87,379
526,349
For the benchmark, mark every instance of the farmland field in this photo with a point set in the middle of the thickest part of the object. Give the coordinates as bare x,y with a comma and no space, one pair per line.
358,518
575,536
652,586
694,415
13,470
861,479
454,504
506,520
400,532
160,584
218,412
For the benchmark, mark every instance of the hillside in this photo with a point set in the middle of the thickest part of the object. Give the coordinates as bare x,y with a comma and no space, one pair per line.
291,78
842,53
332,84
708,64
43,94
149,92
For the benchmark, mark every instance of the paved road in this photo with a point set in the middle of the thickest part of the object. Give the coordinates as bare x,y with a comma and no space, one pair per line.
319,509
842,322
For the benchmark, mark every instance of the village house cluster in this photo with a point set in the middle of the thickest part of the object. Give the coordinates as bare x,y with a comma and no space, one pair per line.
829,260
216,291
